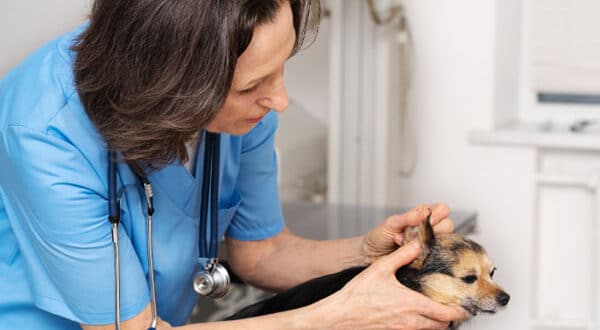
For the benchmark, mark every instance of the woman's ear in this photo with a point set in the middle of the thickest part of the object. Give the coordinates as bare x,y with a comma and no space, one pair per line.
424,233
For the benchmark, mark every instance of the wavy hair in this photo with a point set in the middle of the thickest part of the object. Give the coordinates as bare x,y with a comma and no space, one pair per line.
152,73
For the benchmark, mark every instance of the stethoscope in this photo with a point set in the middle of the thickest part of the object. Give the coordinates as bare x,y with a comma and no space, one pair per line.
213,280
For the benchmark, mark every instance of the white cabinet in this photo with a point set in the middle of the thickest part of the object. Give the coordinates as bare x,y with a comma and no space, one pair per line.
565,262
566,246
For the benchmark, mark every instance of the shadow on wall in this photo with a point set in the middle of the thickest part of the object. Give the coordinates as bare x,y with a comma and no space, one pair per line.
301,145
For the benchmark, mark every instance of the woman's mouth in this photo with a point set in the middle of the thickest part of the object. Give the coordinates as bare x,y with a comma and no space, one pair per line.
256,119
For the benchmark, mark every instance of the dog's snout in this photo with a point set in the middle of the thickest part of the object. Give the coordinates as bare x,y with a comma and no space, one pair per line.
502,298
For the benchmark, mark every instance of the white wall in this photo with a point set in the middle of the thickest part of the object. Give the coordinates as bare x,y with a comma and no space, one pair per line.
453,92
307,75
26,24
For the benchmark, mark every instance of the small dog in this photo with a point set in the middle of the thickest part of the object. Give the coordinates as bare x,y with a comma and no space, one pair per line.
451,270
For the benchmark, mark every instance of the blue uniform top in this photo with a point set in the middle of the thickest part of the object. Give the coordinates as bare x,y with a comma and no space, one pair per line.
56,253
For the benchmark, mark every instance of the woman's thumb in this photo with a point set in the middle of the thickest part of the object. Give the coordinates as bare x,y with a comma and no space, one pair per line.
402,256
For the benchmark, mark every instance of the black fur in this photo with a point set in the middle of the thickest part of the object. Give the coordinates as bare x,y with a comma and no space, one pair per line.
317,289
438,262
464,245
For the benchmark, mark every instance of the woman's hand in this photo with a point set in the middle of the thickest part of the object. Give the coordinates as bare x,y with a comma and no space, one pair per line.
163,325
139,321
376,300
386,237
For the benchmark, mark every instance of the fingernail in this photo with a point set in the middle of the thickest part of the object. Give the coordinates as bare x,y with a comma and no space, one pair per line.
399,238
424,212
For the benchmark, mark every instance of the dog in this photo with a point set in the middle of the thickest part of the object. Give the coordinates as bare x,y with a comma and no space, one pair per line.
451,270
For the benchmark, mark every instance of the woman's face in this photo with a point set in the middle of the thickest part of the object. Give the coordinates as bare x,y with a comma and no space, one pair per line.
257,83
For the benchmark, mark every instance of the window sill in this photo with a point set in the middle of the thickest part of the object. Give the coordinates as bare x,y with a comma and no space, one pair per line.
537,135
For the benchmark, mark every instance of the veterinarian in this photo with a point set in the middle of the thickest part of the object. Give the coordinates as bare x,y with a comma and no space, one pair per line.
104,154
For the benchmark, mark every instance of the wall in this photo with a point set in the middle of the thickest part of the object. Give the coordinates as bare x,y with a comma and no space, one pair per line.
27,24
454,90
307,75
302,134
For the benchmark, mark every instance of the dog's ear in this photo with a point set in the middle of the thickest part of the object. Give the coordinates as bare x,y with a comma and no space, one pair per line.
424,233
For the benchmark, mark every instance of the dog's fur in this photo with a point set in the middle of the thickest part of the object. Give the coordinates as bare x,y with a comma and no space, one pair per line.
451,270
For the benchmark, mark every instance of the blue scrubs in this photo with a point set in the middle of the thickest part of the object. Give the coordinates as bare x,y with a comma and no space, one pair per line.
56,255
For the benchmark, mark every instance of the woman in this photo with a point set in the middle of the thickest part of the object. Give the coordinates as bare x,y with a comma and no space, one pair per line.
147,80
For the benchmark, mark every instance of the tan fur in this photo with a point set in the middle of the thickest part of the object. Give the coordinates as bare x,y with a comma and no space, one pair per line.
451,290
463,258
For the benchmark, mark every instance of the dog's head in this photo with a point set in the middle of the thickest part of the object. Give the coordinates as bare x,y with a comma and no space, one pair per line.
455,270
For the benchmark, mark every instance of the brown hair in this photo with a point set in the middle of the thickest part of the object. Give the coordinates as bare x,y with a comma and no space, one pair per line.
152,73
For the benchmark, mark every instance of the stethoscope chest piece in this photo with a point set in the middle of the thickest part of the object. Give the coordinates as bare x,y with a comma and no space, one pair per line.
213,281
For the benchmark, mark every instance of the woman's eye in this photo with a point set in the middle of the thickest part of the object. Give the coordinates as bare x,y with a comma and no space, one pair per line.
249,90
469,279
492,272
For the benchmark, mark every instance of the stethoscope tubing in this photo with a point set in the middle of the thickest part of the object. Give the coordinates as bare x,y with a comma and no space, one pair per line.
202,251
214,200
210,170
149,201
115,239
210,184
114,217
114,211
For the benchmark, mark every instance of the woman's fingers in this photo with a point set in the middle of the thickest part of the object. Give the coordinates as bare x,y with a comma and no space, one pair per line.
439,211
438,312
163,325
401,257
445,226
385,303
439,217
397,222
424,323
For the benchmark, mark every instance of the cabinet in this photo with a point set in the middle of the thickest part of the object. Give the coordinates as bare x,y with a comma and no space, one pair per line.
565,244
565,293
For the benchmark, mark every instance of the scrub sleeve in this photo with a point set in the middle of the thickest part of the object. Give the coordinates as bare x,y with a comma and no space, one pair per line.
58,212
259,214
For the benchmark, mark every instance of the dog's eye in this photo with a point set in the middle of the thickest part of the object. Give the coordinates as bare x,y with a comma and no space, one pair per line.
492,272
469,279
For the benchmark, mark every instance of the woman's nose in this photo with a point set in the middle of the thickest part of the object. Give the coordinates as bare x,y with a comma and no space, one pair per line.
277,100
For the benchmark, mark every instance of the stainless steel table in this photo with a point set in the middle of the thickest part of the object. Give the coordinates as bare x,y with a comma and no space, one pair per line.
330,221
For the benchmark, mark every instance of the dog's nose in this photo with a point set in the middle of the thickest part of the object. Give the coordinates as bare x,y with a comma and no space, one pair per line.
502,298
